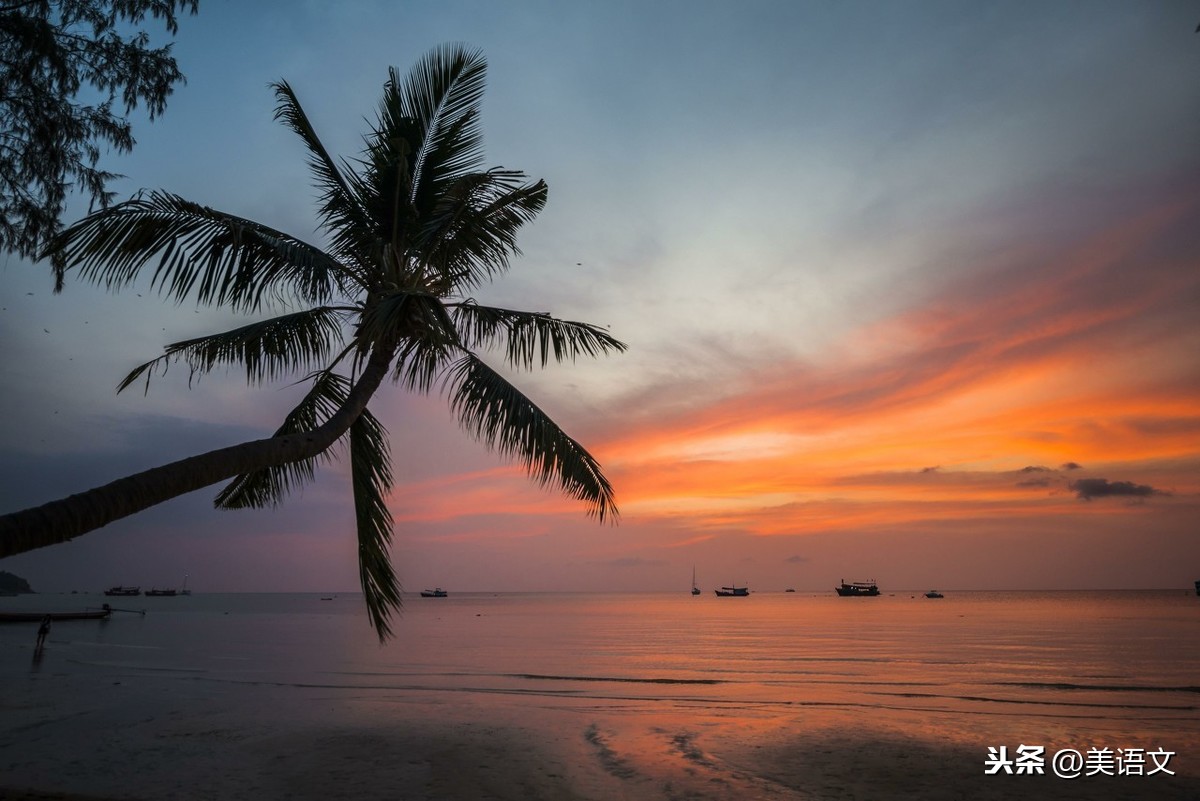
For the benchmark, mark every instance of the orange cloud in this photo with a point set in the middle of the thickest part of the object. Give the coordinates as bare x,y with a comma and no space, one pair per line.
1089,357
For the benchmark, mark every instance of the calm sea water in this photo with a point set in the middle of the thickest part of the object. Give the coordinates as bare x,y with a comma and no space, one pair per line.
975,669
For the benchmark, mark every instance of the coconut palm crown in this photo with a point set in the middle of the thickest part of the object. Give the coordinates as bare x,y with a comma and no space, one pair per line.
412,227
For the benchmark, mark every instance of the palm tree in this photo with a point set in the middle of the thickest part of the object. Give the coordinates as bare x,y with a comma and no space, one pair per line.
413,226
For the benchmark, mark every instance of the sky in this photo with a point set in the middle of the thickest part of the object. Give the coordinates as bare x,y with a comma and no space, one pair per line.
911,293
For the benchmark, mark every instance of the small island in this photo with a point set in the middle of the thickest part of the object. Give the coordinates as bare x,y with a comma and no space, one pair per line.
13,585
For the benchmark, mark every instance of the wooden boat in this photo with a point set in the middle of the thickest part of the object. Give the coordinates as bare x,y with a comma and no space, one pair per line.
436,592
123,591
857,589
37,617
732,592
934,594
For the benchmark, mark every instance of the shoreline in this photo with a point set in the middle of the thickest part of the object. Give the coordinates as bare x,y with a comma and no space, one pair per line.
516,753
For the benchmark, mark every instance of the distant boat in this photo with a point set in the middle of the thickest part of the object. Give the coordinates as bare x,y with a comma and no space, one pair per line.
436,592
732,592
119,590
36,617
1198,586
185,590
696,590
934,594
789,589
856,589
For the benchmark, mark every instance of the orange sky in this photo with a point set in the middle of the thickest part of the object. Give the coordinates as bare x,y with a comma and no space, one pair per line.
980,411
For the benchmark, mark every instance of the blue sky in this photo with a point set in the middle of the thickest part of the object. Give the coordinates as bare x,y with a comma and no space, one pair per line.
798,201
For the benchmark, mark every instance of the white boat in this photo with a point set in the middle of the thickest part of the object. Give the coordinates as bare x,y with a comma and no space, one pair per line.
436,592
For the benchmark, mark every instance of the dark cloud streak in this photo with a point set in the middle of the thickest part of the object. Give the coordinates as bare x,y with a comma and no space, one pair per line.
1089,488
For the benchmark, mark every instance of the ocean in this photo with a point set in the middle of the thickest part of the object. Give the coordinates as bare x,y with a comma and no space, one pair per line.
776,695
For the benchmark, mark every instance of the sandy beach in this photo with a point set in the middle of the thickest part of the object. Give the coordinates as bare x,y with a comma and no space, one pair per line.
510,753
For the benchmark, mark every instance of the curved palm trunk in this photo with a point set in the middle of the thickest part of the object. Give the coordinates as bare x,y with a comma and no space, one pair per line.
65,519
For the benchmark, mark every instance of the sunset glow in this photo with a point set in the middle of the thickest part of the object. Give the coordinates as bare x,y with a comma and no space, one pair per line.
912,293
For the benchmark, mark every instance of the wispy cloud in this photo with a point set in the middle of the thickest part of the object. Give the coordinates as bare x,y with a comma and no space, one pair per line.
986,384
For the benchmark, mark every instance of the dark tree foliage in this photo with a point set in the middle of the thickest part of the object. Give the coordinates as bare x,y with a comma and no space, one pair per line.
13,584
70,72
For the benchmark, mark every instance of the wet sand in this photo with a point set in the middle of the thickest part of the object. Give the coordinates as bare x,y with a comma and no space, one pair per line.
510,753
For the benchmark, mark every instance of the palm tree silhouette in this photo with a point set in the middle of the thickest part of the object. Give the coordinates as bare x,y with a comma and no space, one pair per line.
412,227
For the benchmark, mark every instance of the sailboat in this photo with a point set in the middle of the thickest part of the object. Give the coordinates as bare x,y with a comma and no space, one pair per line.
185,590
695,589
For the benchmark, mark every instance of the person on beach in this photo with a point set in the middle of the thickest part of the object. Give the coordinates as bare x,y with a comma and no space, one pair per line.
43,632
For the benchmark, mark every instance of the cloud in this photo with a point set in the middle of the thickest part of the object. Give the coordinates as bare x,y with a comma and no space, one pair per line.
1072,466
1089,488
1034,482
796,560
1039,481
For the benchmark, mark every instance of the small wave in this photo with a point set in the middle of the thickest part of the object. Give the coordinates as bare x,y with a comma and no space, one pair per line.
633,680
1141,688
987,699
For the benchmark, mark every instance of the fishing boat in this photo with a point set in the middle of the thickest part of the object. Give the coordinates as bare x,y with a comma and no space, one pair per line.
436,592
123,591
732,592
37,617
934,594
857,589
161,593
695,589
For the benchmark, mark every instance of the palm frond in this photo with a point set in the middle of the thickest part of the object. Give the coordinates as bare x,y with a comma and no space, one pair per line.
371,477
268,349
420,361
530,337
442,93
496,412
470,233
147,370
270,485
342,211
218,258
389,159
338,202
